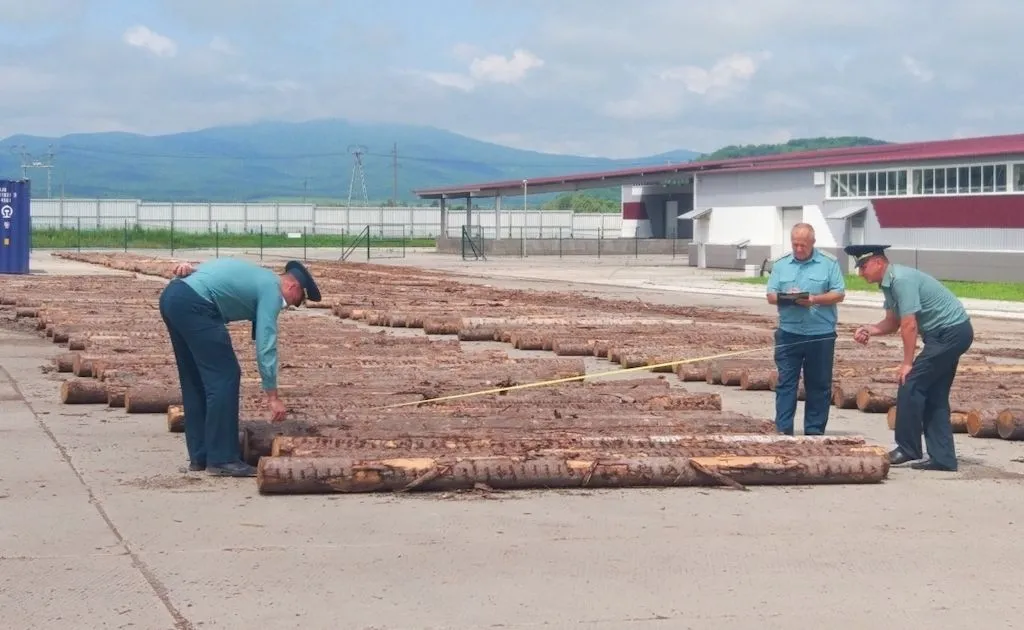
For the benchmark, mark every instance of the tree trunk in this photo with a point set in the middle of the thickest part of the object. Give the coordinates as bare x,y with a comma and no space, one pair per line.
299,475
150,399
258,436
691,372
756,379
872,400
982,423
298,446
476,333
83,392
1010,424
65,362
572,348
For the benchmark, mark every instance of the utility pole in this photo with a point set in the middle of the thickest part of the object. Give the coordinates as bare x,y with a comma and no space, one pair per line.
394,175
27,162
357,151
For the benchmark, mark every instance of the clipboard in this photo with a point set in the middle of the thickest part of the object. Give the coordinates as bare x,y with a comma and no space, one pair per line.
791,298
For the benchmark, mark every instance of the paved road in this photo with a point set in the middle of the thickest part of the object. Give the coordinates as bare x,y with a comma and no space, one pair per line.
97,530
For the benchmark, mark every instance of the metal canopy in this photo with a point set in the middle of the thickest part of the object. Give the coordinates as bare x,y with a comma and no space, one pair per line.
695,213
846,213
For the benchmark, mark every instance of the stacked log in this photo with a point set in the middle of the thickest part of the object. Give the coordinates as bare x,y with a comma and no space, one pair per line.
337,372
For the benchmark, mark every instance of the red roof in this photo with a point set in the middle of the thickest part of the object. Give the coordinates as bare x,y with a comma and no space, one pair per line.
964,148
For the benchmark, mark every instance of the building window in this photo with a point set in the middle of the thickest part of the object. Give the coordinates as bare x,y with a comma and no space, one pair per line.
978,179
889,183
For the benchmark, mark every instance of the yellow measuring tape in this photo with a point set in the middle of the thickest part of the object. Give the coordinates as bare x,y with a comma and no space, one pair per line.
498,390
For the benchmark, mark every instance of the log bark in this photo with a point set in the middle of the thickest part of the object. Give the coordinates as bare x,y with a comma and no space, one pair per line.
116,395
875,400
527,341
982,423
572,348
732,377
756,380
176,419
631,360
442,326
844,394
25,313
601,349
957,419
258,436
83,392
83,366
65,363
1010,424
298,475
302,446
150,399
691,372
476,333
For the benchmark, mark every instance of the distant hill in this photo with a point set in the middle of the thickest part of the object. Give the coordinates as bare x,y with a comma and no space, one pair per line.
279,161
796,144
312,160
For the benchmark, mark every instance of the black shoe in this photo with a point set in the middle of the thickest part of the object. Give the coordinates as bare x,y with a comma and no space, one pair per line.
192,467
930,464
232,469
897,457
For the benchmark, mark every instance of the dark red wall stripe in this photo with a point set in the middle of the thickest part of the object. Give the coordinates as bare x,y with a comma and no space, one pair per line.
982,211
634,210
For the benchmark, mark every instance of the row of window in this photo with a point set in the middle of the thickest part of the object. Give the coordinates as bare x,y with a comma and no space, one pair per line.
948,180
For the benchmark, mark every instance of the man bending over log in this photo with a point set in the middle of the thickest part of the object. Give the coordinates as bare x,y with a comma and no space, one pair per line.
196,306
806,285
918,303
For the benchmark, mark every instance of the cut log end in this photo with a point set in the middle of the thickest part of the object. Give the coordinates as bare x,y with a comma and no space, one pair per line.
83,392
1010,424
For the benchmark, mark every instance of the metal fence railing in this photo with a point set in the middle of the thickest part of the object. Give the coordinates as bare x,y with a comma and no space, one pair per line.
480,242
380,241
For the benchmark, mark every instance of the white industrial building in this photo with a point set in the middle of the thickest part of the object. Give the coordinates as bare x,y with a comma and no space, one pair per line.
954,208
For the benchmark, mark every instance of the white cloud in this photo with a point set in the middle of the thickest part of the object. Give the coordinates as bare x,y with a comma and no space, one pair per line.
726,74
499,69
142,37
575,75
664,94
491,68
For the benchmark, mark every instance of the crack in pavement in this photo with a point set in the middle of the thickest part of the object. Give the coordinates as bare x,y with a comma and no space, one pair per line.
180,621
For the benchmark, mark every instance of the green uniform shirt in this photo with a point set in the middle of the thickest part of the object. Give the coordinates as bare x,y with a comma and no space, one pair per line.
909,291
818,274
244,291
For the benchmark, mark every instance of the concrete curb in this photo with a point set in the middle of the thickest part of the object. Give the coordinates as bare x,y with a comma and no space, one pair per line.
867,302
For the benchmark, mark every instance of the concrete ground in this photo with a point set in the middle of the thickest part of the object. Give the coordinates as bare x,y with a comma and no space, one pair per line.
98,530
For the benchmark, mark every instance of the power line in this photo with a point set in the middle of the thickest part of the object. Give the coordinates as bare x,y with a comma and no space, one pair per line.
576,162
394,174
28,161
357,151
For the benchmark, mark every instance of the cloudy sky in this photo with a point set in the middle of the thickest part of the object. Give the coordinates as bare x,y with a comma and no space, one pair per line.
569,76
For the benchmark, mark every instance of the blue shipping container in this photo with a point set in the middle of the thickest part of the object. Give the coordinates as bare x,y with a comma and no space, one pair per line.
15,226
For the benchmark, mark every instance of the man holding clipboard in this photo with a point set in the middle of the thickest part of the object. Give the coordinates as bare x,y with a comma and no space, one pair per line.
806,285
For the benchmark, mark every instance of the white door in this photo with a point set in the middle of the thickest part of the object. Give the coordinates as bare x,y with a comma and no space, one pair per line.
701,233
790,215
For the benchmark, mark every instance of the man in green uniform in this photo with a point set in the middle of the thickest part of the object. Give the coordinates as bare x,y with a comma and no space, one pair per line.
916,303
805,339
196,307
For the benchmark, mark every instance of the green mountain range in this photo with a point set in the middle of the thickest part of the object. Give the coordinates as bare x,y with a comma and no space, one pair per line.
295,161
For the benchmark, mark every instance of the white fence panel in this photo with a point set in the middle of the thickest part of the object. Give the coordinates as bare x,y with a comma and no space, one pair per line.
277,218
